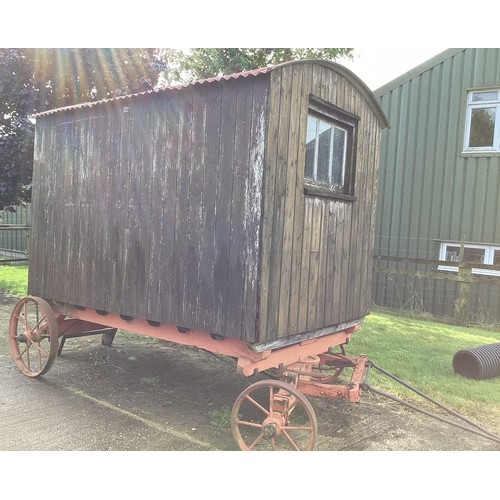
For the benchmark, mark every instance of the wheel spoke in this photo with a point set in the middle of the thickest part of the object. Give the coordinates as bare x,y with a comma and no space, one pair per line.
258,405
292,442
257,441
22,319
37,325
41,351
28,357
22,353
248,424
297,428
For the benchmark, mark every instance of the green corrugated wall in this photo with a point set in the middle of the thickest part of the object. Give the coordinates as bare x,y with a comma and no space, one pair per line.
428,189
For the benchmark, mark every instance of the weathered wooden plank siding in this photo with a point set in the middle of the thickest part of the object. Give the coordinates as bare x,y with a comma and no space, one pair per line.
311,267
152,207
188,207
428,189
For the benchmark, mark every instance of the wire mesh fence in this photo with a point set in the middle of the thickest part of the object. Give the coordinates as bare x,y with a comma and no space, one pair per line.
463,290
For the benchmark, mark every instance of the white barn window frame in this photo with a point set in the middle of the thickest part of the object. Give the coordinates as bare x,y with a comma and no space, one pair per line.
487,254
482,123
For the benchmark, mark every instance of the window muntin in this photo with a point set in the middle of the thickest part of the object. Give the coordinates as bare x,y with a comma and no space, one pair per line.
330,145
480,254
482,127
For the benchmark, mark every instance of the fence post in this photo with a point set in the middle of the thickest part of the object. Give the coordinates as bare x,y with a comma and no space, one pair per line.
463,299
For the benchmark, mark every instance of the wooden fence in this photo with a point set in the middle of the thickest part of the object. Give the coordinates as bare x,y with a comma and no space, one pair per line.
14,243
14,234
465,276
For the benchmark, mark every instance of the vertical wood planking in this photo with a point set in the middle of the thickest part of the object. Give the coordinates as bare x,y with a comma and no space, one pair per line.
206,304
361,211
281,167
304,267
314,263
268,213
147,123
295,131
298,199
196,205
168,147
319,88
113,176
237,254
253,201
183,214
223,203
121,230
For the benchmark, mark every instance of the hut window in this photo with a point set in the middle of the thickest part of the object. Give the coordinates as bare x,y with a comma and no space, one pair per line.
329,163
482,128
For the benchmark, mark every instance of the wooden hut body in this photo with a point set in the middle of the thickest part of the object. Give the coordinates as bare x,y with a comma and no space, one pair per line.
193,205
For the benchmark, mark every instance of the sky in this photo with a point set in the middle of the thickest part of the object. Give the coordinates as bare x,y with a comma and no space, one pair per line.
378,66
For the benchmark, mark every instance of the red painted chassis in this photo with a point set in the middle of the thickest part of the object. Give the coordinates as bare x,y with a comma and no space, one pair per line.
38,330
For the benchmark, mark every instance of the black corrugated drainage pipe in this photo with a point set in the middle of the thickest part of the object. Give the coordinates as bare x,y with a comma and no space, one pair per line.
478,362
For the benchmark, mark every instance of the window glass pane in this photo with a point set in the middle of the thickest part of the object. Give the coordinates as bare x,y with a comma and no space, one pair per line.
496,258
482,127
470,254
324,147
310,146
474,255
485,96
452,253
339,144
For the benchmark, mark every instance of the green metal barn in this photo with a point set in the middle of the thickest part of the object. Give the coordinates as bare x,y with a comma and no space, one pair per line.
439,187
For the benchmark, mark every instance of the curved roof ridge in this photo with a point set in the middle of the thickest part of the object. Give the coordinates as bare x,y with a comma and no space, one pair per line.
352,77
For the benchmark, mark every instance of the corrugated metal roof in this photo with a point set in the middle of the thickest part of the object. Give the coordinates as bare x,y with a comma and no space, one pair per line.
159,90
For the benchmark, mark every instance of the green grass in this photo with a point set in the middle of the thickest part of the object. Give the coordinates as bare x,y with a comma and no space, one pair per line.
221,417
420,352
14,279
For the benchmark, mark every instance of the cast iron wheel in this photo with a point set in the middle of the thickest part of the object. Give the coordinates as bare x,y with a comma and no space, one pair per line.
33,336
271,415
332,359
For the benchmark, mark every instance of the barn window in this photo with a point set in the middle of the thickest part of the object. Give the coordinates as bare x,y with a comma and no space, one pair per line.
330,147
474,253
482,127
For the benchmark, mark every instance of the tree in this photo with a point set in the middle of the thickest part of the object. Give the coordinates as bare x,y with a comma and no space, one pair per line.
34,80
197,64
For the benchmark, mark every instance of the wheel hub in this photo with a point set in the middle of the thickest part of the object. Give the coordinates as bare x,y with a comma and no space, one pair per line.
30,336
272,426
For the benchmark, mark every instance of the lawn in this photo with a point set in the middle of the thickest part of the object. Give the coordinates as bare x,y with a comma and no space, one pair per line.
418,351
14,279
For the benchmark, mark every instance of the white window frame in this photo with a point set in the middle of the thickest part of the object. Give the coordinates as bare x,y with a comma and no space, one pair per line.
489,255
471,105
